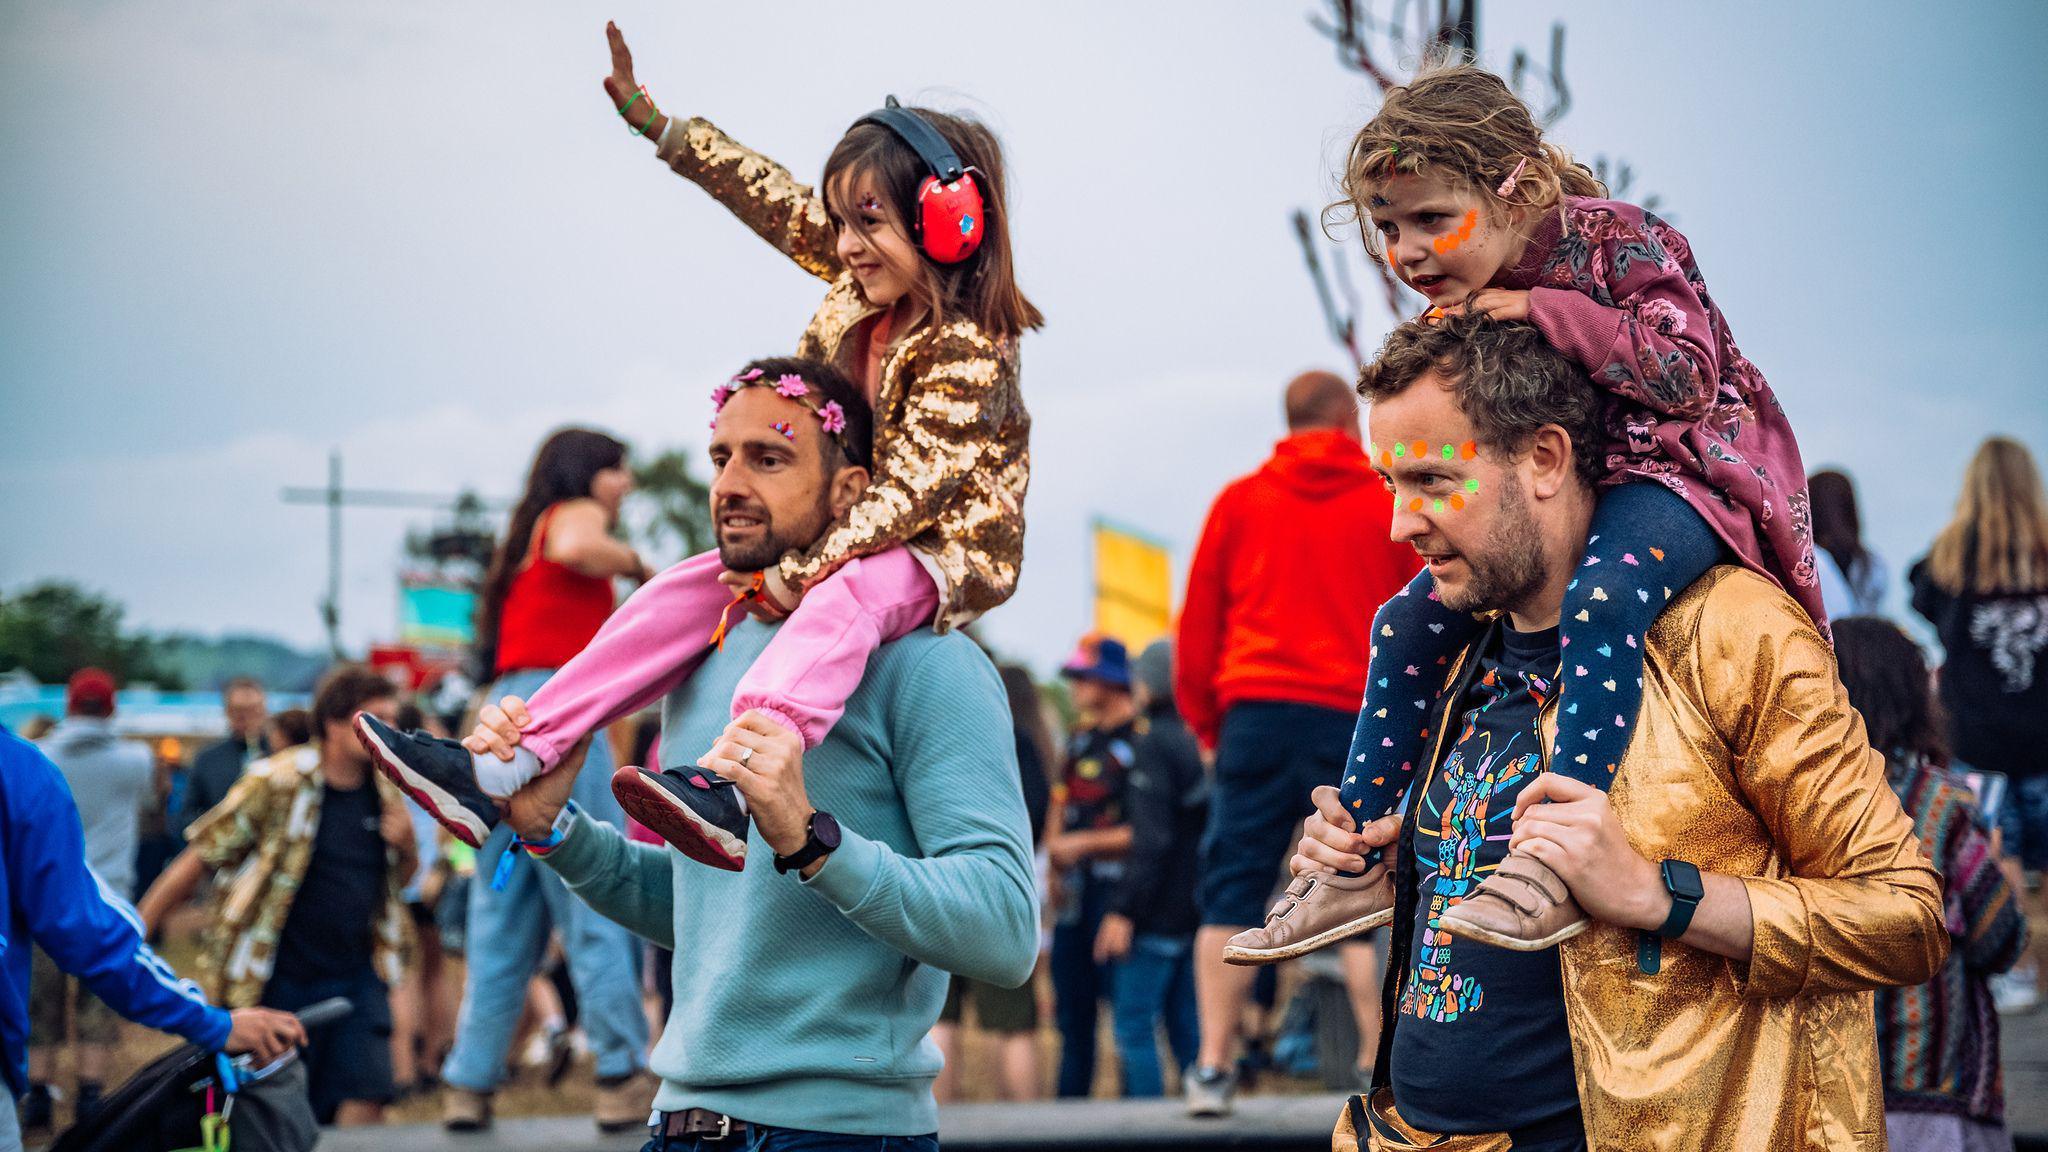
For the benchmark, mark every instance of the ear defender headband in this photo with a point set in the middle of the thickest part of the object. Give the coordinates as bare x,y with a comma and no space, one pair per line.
948,223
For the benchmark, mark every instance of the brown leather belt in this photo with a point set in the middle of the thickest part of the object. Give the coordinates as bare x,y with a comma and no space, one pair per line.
701,1124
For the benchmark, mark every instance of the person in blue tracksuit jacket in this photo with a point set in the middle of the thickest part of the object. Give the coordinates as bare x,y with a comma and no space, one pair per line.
51,898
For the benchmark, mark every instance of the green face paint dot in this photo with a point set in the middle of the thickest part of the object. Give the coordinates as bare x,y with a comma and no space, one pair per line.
1450,452
1472,485
1401,449
1436,506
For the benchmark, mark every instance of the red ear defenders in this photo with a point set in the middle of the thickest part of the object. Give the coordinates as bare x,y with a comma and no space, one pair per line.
948,223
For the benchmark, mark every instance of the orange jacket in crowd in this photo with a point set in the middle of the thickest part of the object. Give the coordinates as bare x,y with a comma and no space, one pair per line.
1294,561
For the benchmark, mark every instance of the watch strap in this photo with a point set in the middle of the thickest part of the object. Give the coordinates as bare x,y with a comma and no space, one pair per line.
1682,880
813,849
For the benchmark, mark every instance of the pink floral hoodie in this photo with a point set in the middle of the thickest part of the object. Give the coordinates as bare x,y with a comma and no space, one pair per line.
1616,289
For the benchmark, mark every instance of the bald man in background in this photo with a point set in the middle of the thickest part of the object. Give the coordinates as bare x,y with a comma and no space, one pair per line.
1272,649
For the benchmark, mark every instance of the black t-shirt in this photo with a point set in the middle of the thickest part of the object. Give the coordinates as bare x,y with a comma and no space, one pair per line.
331,930
1994,676
1480,1043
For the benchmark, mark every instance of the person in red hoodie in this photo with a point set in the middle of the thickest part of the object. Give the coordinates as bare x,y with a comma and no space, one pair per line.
1273,642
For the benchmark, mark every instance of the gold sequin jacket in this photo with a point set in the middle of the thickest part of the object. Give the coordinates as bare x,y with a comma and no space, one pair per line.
259,839
1747,761
951,433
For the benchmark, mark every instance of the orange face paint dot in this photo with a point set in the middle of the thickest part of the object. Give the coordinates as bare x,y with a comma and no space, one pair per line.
1419,448
1468,449
1457,502
1415,505
1386,458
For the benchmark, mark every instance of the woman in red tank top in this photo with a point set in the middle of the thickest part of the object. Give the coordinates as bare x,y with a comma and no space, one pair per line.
550,585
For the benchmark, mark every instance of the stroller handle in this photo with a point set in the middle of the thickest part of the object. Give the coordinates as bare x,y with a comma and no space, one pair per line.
325,1012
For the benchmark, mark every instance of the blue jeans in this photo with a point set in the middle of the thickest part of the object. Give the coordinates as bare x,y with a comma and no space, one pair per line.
760,1139
2024,820
1078,982
508,939
1157,979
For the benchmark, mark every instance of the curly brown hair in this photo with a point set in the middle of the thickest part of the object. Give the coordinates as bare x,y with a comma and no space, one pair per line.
1459,121
1507,378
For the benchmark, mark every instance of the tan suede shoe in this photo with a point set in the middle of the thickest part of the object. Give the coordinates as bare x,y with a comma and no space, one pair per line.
1522,907
624,1105
1319,909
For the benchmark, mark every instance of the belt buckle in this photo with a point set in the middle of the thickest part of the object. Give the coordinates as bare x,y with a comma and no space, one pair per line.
724,1128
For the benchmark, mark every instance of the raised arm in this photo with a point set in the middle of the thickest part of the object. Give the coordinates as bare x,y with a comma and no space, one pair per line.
786,213
957,401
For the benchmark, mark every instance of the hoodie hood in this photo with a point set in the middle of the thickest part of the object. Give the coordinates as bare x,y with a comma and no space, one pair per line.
1321,464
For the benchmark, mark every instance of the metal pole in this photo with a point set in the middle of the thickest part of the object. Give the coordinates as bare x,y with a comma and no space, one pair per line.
332,609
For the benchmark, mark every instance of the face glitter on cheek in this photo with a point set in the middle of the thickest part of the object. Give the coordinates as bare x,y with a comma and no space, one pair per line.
1451,243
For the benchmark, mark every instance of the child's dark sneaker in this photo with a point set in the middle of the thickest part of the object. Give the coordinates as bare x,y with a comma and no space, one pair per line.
697,811
436,773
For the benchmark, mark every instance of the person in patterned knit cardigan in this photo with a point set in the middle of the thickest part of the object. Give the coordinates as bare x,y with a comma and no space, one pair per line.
1943,1088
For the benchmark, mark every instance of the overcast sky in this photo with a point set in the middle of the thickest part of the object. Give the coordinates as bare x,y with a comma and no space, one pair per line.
235,234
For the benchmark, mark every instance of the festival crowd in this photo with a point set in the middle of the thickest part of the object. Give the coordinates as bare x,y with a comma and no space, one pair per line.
1654,827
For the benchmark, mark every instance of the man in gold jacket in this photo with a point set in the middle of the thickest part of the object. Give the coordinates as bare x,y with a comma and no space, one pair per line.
1751,1026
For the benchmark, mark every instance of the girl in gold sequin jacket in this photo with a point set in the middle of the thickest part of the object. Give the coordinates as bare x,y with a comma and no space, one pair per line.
936,539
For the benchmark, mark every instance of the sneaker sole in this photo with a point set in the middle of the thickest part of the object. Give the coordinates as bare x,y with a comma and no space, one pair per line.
1215,1111
677,823
1248,957
1488,936
446,810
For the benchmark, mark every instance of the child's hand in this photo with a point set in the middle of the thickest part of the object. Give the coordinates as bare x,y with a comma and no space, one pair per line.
497,728
1495,304
620,85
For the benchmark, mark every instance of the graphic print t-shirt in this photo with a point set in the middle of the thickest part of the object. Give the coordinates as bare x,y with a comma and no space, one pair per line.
1098,765
1480,1043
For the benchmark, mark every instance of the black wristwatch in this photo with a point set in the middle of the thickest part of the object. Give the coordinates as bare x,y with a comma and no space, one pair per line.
822,841
1682,880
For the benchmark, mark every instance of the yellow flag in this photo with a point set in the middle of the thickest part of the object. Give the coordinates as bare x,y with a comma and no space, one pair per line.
1133,586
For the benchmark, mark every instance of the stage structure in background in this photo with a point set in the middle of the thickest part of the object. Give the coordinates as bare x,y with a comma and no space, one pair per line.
1388,50
1133,585
335,497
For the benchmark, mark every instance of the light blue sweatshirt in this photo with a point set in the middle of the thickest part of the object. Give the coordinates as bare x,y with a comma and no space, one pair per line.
805,1004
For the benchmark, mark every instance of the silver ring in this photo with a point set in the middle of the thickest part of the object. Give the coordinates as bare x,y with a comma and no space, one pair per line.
746,754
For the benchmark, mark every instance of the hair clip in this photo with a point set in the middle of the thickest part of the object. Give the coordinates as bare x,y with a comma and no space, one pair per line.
1508,185
870,204
783,427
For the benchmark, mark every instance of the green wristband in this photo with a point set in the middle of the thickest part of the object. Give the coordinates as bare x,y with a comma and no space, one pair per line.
637,94
652,112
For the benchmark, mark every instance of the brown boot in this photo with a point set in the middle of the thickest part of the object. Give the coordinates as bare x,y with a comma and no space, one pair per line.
1522,907
465,1111
625,1104
1319,909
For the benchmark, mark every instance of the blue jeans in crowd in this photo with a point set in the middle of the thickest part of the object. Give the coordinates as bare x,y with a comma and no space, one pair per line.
2025,821
1157,979
1078,982
761,1139
508,939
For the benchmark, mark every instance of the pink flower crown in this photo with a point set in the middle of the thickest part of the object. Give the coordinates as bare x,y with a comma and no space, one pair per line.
789,385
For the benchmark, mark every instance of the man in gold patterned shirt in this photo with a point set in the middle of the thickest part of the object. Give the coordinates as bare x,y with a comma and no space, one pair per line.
1749,877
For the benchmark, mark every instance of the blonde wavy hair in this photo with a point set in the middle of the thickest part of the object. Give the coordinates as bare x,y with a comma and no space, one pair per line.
1459,121
1998,541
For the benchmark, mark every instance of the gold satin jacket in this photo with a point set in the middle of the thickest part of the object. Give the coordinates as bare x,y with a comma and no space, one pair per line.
1748,761
951,434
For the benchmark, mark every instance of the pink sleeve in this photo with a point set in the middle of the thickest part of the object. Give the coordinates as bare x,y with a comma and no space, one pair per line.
1656,346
